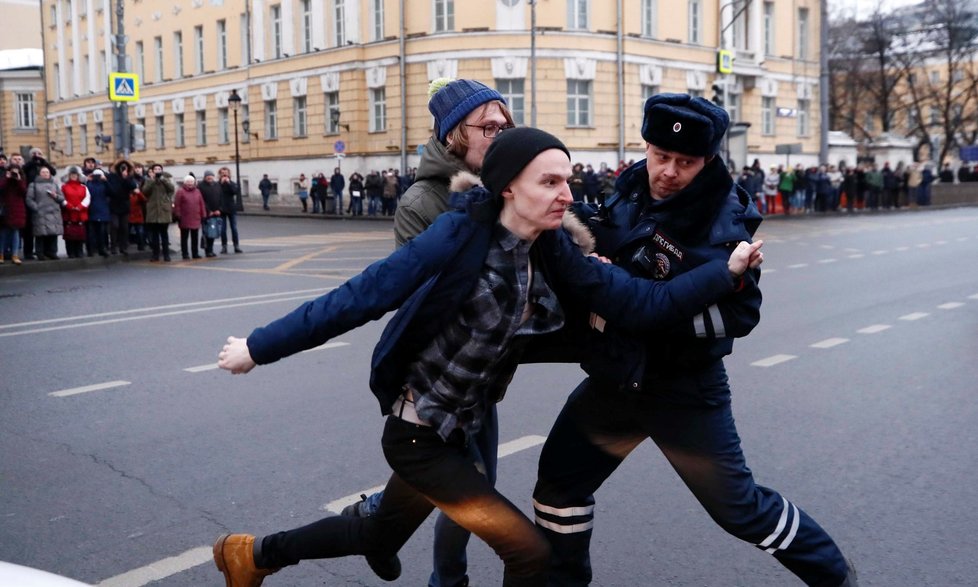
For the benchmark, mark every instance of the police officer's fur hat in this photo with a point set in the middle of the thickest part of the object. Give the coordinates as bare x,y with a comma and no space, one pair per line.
681,123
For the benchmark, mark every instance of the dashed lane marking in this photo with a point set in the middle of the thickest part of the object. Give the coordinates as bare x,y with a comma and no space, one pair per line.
89,388
829,343
161,569
874,329
773,360
798,266
914,316
950,305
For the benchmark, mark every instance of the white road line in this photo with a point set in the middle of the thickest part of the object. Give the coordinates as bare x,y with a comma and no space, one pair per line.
914,316
88,388
923,246
950,305
973,297
880,252
829,343
773,360
874,329
168,307
336,506
148,316
161,569
857,256
824,261
798,266
941,243
901,249
201,368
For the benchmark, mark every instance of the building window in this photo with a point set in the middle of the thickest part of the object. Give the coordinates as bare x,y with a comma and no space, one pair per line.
767,116
26,114
650,16
512,90
223,130
913,119
577,13
378,110
139,60
158,59
695,21
177,55
299,118
180,137
803,106
103,61
935,115
201,128
276,21
444,15
98,133
648,91
271,119
332,101
733,106
578,102
222,45
199,49
802,33
769,25
57,82
160,132
83,139
306,9
935,77
69,141
339,21
245,38
377,20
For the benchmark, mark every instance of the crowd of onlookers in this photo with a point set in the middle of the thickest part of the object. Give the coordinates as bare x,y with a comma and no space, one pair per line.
378,193
802,190
102,211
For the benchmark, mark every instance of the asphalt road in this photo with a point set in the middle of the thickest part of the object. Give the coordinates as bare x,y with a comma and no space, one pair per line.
124,453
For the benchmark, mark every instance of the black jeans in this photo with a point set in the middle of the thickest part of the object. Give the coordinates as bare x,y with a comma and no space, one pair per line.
194,235
159,239
428,473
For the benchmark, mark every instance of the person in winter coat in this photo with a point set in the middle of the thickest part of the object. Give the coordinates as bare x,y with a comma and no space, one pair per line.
45,202
211,192
121,184
786,185
229,210
592,185
577,182
771,181
137,220
265,187
374,185
99,215
159,189
438,368
75,213
13,191
672,212
336,184
188,207
32,168
320,193
356,195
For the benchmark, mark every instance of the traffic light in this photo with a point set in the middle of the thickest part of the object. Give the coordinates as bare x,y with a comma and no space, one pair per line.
137,137
718,95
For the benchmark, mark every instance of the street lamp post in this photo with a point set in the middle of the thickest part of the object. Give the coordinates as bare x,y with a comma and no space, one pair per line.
234,101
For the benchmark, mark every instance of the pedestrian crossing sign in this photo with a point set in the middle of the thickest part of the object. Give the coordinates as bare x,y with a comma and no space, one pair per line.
123,87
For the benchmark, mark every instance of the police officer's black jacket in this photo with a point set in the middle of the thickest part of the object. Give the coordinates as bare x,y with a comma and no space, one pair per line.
658,240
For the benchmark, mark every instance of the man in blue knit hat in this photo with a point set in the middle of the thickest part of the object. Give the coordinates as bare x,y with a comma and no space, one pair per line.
468,115
672,212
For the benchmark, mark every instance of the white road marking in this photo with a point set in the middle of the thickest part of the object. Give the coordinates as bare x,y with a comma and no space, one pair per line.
923,246
773,360
88,388
336,506
914,316
874,329
798,266
857,256
973,297
161,569
829,343
201,368
880,252
515,446
901,249
824,261
950,305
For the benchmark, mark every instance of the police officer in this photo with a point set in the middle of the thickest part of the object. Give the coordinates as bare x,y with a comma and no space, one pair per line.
674,211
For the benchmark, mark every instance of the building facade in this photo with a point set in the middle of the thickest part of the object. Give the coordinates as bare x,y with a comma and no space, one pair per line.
22,99
321,78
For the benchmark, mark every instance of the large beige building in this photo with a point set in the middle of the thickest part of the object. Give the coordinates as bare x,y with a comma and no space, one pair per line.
320,76
22,100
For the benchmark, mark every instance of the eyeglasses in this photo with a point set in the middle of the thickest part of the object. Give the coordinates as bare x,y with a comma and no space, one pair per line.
492,129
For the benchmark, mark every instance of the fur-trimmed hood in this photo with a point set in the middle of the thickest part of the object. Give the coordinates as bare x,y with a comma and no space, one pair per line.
465,181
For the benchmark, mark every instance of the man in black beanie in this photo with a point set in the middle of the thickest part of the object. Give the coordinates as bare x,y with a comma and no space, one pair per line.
669,214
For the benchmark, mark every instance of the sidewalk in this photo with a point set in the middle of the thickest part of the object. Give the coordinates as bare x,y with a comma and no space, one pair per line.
252,207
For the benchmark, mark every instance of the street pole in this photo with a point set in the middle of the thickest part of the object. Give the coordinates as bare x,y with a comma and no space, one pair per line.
234,100
120,116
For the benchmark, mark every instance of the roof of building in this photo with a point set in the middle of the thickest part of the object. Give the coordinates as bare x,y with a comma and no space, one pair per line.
21,59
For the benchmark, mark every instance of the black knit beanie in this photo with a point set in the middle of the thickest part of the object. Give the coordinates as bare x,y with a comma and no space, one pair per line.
511,151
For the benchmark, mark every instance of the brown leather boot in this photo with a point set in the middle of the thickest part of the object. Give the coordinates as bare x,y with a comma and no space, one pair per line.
234,556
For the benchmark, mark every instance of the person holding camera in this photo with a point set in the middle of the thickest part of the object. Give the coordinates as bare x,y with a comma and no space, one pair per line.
45,202
159,190
13,191
229,209
32,169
